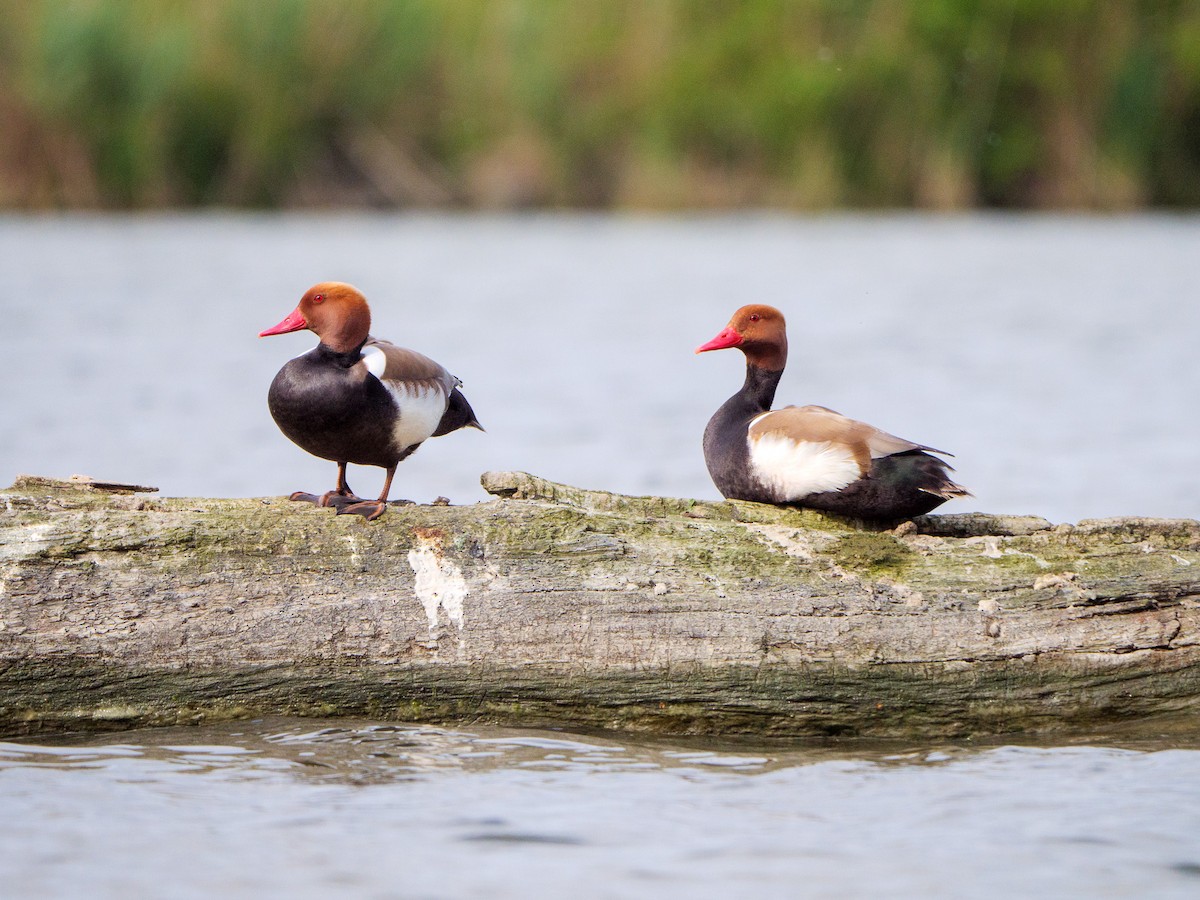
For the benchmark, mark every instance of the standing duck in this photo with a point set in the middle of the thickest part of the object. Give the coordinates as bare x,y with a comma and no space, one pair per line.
356,399
809,455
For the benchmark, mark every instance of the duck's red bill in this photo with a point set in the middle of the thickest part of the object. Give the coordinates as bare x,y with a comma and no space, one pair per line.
727,338
294,322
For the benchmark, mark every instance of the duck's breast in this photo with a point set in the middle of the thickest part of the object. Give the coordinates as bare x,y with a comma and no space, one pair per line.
335,412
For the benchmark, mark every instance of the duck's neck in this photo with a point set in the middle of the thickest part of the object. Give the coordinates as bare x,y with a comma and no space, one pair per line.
755,397
758,391
344,359
346,329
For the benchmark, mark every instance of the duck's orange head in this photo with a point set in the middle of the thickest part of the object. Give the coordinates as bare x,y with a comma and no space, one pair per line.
335,312
757,330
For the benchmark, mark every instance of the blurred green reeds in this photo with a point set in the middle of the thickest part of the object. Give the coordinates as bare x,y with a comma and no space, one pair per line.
649,104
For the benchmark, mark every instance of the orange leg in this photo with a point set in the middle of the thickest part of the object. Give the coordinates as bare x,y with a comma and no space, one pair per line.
371,509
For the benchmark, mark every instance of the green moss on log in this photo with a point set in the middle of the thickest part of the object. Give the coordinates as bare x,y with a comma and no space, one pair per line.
556,605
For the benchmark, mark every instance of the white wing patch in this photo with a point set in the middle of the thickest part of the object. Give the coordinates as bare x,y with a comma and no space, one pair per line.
375,361
790,469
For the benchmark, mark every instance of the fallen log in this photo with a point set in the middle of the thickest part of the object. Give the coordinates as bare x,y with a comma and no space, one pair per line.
552,605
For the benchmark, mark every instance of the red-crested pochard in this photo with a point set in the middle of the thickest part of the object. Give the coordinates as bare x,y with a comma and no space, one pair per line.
357,399
809,455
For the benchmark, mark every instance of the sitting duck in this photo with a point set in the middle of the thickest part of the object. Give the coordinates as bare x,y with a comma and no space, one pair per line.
357,399
808,455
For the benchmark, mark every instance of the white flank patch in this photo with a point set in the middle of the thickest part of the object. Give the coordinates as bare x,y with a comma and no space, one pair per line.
438,583
421,408
791,469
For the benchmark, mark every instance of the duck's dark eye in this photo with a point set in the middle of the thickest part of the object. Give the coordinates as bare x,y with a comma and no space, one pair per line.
754,318
320,298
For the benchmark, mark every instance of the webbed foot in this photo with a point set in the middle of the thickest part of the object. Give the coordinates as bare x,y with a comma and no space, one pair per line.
368,509
339,501
329,498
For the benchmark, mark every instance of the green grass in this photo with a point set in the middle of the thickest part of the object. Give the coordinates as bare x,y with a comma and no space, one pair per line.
657,104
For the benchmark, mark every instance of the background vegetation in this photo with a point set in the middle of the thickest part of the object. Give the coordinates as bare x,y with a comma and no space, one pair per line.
600,103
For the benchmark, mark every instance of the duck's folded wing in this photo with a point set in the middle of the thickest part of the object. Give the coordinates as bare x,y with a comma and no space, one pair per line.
802,450
420,388
406,370
822,423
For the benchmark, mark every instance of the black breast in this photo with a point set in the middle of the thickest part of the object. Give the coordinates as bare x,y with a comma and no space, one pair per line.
727,454
335,409
726,445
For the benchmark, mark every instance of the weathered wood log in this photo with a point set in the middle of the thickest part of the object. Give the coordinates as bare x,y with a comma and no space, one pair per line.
555,605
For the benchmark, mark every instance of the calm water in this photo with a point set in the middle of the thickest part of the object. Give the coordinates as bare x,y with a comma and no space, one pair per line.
294,809
1055,356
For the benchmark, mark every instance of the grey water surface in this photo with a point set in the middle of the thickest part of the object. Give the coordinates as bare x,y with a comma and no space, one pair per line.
1056,356
309,809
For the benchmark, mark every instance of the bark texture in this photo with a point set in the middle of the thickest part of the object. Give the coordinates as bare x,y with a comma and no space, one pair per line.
552,605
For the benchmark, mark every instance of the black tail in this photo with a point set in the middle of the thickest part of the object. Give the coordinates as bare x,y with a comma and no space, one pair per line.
899,486
458,415
934,479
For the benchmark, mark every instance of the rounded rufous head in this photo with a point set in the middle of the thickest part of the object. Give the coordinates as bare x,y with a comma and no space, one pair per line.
335,312
757,330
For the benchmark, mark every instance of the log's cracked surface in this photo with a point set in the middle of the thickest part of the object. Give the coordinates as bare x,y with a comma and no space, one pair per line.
556,605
